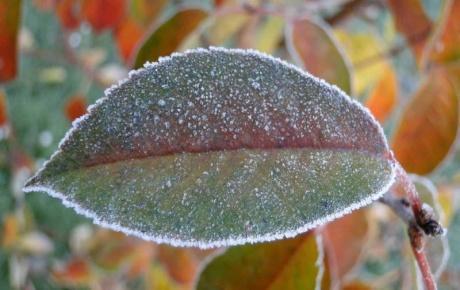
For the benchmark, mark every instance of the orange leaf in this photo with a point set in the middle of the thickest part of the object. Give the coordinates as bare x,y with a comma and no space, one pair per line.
167,37
116,251
76,272
9,27
344,240
103,14
141,260
428,126
68,13
75,107
180,263
384,95
412,21
357,285
3,109
449,47
313,46
127,36
288,264
10,231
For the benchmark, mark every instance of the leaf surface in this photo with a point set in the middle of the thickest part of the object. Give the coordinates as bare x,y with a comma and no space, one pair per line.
428,126
313,47
219,147
9,29
288,264
167,37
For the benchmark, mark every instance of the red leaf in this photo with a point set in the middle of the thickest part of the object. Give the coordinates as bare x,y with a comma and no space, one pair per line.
9,27
75,107
68,13
103,14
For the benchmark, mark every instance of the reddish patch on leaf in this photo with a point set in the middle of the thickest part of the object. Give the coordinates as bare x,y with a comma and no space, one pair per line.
9,28
127,35
68,12
103,14
75,107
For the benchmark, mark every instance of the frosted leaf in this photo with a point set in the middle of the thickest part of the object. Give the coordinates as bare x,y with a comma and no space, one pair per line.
187,151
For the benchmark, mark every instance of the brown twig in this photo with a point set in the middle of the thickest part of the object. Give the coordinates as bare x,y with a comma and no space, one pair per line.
420,220
417,244
416,234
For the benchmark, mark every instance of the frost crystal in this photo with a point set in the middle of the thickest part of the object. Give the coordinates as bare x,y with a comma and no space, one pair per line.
219,147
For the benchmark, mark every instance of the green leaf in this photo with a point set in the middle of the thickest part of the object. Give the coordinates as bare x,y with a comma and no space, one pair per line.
219,147
288,265
313,47
168,36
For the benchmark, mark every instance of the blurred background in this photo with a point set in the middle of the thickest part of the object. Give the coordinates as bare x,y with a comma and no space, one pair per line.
400,58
